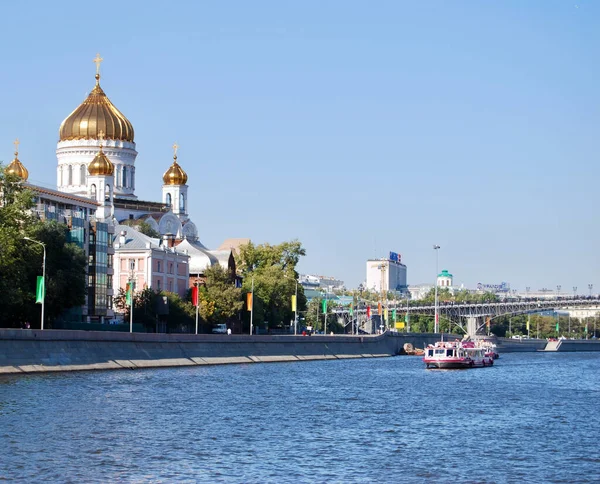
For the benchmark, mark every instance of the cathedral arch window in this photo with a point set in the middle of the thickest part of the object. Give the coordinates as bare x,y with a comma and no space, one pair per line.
182,203
82,170
70,175
93,192
107,192
60,176
168,199
125,177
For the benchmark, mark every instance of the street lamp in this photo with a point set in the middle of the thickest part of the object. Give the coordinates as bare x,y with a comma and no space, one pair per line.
436,323
558,290
590,287
574,292
131,286
43,277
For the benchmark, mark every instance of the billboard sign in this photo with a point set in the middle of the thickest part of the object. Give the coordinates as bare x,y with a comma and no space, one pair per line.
502,287
395,257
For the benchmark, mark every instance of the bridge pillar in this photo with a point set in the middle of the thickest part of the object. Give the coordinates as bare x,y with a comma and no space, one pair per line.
471,326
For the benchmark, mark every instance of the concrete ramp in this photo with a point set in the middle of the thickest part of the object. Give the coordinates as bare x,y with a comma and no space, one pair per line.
552,345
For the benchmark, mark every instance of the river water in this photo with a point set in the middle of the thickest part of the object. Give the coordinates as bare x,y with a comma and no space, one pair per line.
532,417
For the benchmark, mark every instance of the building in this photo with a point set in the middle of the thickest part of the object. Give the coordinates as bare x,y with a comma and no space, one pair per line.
386,274
88,229
325,283
444,279
95,176
150,263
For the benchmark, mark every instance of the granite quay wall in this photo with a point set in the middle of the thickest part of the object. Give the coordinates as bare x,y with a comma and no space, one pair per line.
579,345
29,351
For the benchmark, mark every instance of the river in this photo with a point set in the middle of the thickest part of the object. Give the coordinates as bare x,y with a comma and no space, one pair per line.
533,417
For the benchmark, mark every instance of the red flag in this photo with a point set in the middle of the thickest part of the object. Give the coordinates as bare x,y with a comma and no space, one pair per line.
368,311
195,295
379,308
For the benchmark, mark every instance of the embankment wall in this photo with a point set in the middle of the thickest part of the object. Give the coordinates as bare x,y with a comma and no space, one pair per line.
28,351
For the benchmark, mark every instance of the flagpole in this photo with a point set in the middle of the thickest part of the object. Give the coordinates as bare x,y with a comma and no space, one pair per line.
296,311
197,304
43,278
251,304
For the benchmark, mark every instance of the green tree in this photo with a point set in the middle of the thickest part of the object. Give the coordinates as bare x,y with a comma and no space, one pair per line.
273,269
21,261
220,290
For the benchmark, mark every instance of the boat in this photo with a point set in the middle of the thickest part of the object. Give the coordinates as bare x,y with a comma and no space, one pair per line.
456,354
490,348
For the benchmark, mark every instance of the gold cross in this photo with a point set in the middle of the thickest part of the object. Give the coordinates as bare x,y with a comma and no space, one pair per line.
175,148
101,137
98,61
16,143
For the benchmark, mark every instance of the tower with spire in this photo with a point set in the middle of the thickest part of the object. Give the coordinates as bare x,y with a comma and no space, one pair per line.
101,182
79,144
175,188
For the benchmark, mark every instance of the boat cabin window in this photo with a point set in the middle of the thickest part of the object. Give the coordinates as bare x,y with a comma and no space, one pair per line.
449,352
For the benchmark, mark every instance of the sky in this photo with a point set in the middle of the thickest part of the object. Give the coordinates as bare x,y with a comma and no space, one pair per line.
355,127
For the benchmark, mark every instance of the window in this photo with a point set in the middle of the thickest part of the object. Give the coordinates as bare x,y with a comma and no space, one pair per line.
171,268
107,192
182,203
158,284
125,177
168,199
70,175
93,192
170,286
158,266
109,261
82,172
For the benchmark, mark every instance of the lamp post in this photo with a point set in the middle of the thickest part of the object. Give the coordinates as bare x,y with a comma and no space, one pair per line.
527,290
574,292
296,311
131,285
43,278
251,304
558,290
590,287
436,323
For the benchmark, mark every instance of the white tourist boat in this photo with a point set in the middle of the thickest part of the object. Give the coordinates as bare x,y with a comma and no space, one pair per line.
490,348
455,355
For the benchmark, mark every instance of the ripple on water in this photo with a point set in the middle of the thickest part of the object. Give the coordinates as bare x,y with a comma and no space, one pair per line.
375,420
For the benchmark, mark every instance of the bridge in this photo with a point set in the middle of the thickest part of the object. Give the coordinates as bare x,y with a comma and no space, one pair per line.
474,314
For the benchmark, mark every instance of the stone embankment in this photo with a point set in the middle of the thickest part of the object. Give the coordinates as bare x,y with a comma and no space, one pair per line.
31,351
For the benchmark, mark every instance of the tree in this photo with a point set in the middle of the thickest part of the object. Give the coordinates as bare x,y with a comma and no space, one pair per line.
220,290
21,261
273,268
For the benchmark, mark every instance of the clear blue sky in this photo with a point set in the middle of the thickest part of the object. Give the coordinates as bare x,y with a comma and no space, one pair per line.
356,127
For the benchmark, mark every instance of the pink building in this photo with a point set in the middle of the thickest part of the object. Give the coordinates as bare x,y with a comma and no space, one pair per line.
150,263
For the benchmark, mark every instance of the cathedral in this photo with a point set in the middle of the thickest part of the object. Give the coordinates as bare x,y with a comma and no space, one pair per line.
96,155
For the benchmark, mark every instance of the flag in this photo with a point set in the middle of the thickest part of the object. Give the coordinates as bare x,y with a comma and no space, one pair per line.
385,314
249,301
128,298
394,315
195,296
351,311
294,302
399,325
406,318
528,317
488,322
368,311
379,308
324,305
557,329
40,290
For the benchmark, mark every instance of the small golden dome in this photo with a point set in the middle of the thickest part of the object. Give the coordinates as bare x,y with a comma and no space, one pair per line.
96,114
15,167
101,165
175,174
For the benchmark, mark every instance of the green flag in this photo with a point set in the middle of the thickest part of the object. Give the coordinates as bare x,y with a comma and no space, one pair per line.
351,311
394,315
324,305
128,296
557,327
406,318
40,290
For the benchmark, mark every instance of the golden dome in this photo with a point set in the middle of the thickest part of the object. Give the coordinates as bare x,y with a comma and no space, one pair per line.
175,174
15,167
101,165
96,114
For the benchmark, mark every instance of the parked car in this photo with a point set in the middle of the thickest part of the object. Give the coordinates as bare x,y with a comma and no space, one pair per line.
219,329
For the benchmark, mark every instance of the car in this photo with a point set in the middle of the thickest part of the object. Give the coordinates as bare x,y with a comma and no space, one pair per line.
219,329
